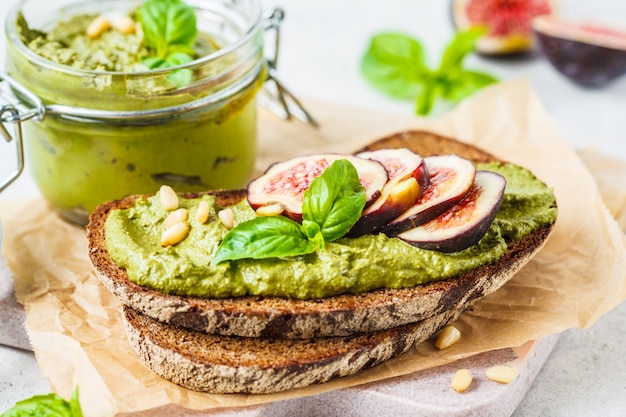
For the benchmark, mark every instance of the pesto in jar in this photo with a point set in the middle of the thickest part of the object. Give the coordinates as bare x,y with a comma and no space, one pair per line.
79,162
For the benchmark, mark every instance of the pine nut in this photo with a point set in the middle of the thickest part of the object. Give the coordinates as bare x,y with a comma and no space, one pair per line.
98,26
175,234
501,373
202,214
227,218
448,336
270,210
462,380
169,199
122,23
177,216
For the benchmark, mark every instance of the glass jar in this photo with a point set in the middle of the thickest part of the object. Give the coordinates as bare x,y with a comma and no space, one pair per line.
95,136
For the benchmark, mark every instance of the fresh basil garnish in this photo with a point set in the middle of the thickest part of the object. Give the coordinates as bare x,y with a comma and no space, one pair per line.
47,405
168,24
169,28
334,201
180,77
331,206
395,64
264,237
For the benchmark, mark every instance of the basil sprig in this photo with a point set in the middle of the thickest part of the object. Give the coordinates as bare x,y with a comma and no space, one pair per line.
169,30
330,207
395,63
47,405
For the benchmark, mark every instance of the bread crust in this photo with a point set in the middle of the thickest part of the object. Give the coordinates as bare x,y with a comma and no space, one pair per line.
342,315
228,364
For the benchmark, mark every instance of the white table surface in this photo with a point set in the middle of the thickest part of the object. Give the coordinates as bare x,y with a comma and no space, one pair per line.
321,45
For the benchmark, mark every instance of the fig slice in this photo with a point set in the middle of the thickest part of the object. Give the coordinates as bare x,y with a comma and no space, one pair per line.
464,224
400,163
408,178
284,183
590,55
508,23
450,178
396,198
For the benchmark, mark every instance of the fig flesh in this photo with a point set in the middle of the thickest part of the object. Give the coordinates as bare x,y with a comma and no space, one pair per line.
284,183
508,22
400,163
408,179
588,55
395,199
450,179
464,224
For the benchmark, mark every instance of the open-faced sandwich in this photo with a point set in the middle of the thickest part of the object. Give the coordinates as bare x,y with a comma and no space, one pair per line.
325,265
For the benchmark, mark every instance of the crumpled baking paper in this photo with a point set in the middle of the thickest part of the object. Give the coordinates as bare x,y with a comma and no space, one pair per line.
75,326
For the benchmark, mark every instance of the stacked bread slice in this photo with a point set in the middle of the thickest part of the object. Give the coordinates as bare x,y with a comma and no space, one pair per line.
268,344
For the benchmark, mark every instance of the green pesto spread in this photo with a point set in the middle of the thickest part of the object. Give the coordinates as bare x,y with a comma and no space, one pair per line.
67,43
344,266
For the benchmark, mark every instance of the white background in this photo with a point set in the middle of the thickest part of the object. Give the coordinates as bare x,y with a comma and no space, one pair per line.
322,42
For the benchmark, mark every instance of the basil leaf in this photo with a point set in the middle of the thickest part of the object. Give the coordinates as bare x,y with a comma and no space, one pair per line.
180,77
460,46
264,237
181,49
154,62
74,402
465,83
334,200
166,23
394,64
314,233
152,16
48,405
178,58
426,99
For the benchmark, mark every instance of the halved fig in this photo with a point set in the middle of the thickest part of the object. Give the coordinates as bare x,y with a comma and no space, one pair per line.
284,183
589,55
450,179
509,23
464,224
395,199
408,178
400,164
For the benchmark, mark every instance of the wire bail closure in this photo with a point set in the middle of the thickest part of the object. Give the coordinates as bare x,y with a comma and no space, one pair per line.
275,96
10,114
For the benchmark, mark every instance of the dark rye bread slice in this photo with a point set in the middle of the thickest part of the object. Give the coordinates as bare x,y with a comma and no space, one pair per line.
341,315
231,364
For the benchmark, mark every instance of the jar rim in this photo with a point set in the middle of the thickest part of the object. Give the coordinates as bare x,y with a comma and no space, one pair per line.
12,34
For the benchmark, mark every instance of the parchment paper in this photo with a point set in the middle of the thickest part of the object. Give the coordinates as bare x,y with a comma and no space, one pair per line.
75,327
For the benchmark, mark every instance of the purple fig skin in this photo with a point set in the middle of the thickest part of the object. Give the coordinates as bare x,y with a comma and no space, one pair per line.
400,163
587,64
450,179
285,182
423,177
464,224
397,195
